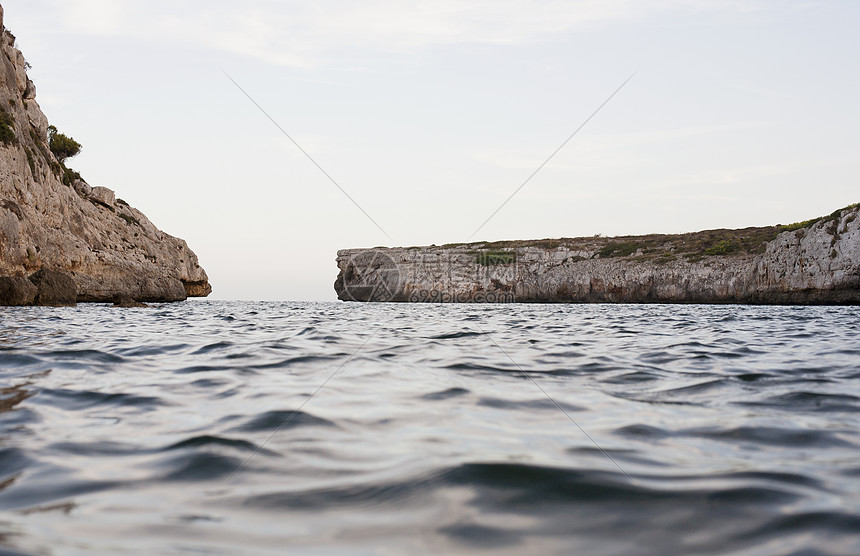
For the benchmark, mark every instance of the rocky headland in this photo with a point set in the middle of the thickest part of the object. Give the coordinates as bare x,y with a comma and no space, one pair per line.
811,262
61,240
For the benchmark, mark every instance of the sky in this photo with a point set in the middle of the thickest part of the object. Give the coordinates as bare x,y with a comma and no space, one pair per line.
429,115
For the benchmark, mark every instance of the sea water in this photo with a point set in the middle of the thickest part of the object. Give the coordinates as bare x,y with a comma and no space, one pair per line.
213,427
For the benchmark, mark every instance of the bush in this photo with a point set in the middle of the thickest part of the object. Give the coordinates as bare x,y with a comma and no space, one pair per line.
494,257
69,176
7,134
722,247
619,249
799,225
61,145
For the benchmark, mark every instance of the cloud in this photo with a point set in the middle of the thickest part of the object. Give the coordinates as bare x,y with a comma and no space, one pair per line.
306,34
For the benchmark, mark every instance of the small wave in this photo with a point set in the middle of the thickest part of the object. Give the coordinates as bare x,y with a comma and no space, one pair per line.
209,383
751,495
12,461
217,346
292,361
631,456
445,394
83,399
753,377
642,431
540,404
11,360
455,335
199,466
207,440
19,417
701,387
819,524
810,401
85,355
512,484
565,354
204,369
273,420
793,438
100,448
769,477
146,351
482,536
594,367
478,367
41,493
635,376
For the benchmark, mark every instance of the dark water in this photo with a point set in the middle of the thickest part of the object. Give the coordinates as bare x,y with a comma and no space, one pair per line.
201,428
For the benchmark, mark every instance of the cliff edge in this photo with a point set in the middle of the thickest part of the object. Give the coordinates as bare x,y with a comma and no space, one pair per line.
53,222
811,262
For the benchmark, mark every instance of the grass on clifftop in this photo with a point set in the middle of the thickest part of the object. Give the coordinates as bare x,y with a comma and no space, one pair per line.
660,248
833,216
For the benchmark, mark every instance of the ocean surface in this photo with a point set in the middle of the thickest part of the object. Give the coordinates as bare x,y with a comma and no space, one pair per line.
212,427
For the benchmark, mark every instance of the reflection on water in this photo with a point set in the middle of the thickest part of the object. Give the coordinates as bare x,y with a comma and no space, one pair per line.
122,430
10,397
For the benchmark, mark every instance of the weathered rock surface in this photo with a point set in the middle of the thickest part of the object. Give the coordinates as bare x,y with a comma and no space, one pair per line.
817,262
16,290
126,301
107,247
103,195
53,287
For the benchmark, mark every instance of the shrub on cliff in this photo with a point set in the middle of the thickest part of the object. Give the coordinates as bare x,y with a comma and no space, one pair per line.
494,257
7,134
722,247
69,176
61,145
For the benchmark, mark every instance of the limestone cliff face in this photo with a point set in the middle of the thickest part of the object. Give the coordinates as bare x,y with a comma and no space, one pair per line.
108,247
818,262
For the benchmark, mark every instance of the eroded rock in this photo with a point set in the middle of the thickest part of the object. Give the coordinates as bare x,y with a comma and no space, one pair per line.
126,301
54,287
82,188
103,195
16,290
197,289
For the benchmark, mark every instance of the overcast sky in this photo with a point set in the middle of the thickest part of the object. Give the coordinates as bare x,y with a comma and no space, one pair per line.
429,115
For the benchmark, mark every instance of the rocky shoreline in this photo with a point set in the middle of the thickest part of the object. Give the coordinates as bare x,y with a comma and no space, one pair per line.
56,230
812,262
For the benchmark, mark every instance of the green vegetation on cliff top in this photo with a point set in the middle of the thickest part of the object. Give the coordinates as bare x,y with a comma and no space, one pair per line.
660,248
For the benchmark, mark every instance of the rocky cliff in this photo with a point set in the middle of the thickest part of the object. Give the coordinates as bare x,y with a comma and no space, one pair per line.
51,219
812,262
